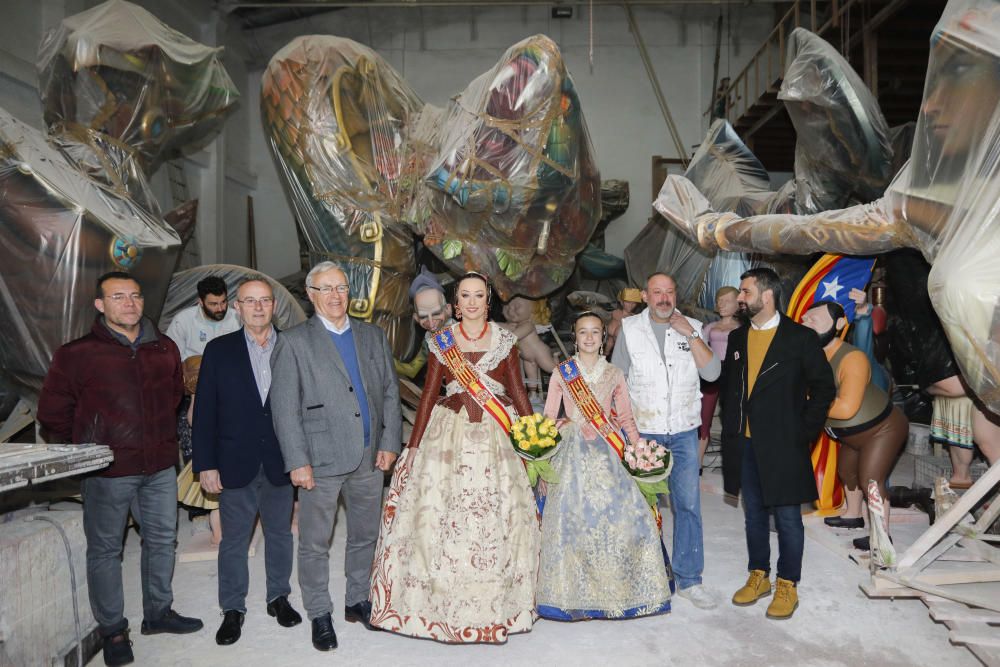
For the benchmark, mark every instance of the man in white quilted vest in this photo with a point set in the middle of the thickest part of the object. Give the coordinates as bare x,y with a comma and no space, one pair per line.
664,359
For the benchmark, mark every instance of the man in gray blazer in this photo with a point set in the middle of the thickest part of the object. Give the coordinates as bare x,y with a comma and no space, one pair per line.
335,404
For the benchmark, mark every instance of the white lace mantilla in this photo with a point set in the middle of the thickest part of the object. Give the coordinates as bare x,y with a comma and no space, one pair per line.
501,342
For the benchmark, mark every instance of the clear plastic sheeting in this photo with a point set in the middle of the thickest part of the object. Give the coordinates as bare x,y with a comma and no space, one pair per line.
59,231
514,189
502,182
183,293
728,173
343,129
859,230
953,193
725,271
118,70
661,247
945,201
843,153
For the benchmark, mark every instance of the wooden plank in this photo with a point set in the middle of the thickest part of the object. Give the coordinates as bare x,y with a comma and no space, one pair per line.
960,576
943,525
889,591
971,637
971,600
953,611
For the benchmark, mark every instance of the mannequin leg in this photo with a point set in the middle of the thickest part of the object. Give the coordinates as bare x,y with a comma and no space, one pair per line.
879,454
961,461
854,503
847,469
986,431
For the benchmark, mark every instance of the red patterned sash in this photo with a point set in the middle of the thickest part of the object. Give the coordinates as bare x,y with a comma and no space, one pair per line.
469,378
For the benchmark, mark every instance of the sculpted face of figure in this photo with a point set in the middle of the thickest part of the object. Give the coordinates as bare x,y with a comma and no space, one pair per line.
518,310
471,298
589,331
819,320
121,302
255,304
726,304
661,297
214,306
964,93
430,309
330,294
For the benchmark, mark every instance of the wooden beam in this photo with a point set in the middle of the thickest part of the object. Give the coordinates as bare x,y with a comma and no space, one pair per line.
945,523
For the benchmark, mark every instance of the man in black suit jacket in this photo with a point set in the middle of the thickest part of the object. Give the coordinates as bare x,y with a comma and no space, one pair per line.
777,387
236,455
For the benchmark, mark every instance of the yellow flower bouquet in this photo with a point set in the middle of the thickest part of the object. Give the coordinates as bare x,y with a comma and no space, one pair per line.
536,439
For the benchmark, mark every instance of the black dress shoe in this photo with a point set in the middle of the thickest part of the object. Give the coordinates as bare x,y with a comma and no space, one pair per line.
118,650
324,638
862,543
360,613
171,623
231,628
841,522
282,610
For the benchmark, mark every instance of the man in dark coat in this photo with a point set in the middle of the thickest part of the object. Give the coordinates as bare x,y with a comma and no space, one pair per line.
120,386
236,455
777,387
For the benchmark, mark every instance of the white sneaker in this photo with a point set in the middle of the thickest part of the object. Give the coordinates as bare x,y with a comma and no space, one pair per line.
700,596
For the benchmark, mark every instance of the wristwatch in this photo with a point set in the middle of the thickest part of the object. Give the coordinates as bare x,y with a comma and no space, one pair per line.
694,336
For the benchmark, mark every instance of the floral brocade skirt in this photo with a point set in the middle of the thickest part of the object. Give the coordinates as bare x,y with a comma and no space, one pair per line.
602,556
457,554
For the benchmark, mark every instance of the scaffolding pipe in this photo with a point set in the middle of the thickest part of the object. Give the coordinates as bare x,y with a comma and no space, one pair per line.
661,100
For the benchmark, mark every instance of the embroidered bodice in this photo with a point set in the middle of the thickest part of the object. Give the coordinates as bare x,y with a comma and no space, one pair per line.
500,369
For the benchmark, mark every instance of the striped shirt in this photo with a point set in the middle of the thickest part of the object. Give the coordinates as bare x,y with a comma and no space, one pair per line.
260,361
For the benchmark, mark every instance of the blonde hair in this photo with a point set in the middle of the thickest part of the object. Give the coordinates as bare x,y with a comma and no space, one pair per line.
724,290
540,312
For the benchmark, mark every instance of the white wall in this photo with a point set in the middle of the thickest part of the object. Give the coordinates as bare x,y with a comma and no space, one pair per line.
439,51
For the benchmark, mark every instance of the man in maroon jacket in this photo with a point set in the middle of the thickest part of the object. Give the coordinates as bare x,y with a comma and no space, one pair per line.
120,386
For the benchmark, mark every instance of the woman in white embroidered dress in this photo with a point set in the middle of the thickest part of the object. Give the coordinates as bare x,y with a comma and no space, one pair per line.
457,555
601,551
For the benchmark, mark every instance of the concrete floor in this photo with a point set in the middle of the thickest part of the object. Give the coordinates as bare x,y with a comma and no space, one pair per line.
834,625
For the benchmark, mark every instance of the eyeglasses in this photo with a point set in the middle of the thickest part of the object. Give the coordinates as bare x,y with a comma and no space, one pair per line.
252,302
120,297
327,289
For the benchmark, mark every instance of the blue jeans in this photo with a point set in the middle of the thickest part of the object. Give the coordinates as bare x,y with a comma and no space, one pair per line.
688,555
106,502
787,520
238,509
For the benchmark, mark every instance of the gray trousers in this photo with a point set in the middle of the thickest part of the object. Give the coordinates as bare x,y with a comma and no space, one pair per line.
106,503
362,491
238,509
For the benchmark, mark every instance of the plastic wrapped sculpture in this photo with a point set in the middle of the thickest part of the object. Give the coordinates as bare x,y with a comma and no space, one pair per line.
121,93
843,149
944,202
502,181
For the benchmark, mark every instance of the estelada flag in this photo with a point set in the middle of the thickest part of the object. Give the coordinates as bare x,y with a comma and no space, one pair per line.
830,279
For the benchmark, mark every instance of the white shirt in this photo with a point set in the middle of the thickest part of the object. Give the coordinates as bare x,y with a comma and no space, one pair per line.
330,326
770,324
191,330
